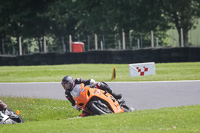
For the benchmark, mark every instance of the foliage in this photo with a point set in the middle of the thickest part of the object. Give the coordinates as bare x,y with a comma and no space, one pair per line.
181,13
60,18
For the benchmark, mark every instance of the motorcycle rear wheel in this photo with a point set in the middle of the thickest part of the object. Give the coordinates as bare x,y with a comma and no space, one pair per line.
99,108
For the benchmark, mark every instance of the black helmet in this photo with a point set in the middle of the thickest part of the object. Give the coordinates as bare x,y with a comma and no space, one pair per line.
67,82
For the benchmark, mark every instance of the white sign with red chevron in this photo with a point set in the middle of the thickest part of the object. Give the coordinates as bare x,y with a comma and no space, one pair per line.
142,69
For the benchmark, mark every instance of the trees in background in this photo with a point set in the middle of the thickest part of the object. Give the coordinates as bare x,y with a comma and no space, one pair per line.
30,18
180,14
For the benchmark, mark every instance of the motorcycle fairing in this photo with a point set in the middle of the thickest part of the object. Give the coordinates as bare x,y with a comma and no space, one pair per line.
87,93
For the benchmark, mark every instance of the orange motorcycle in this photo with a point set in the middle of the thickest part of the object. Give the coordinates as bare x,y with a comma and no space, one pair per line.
97,102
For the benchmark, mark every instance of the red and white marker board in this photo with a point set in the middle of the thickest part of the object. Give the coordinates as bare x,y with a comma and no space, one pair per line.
142,69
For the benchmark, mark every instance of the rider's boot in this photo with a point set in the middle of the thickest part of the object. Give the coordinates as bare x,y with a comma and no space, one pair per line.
132,109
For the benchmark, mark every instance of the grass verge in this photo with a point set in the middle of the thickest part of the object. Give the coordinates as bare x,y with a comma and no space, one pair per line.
99,72
54,119
35,109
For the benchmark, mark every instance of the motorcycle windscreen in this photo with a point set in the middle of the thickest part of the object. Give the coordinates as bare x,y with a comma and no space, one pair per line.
76,91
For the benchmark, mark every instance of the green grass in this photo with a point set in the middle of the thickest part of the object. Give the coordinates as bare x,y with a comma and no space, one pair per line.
99,72
55,113
33,109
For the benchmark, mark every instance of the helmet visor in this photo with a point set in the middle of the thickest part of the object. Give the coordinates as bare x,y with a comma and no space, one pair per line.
66,85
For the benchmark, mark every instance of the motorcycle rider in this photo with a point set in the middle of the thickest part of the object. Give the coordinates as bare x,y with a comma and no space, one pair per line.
3,106
69,83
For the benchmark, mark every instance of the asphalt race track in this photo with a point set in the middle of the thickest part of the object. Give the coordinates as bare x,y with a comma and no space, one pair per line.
141,95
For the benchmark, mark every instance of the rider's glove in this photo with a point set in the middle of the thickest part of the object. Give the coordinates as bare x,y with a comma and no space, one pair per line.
92,83
76,107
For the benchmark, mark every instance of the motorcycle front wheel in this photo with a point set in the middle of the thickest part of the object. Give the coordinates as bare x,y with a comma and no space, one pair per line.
99,108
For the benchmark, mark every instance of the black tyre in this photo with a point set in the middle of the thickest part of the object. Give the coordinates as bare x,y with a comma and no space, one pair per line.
126,108
15,117
99,108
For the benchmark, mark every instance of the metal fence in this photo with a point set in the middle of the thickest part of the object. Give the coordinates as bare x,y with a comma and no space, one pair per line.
132,40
